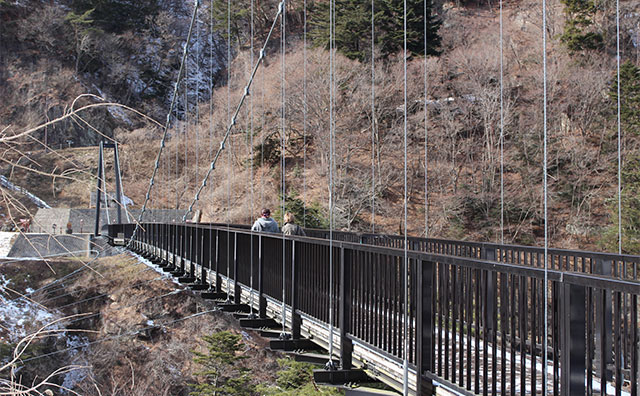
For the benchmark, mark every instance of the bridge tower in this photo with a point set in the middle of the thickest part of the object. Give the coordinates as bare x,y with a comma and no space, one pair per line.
102,190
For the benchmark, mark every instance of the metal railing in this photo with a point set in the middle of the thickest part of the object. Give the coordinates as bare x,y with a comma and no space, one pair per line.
476,321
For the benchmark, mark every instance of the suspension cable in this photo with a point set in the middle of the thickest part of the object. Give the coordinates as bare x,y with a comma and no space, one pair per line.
330,364
426,126
619,129
283,161
546,223
211,284
229,157
238,108
405,313
501,129
174,98
251,314
262,127
304,118
185,135
373,121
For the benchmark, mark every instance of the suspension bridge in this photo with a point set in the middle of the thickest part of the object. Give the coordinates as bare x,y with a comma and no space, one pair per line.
422,315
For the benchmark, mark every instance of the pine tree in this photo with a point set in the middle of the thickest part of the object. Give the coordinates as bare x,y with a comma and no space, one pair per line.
353,27
629,97
222,371
578,34
630,194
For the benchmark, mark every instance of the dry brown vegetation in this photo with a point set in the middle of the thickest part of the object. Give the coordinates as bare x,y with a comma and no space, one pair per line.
134,332
463,131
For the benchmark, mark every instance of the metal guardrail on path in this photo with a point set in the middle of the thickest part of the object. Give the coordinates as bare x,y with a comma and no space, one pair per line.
476,311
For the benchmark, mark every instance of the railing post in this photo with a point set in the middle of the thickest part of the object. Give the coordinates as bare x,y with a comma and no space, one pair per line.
183,247
218,277
262,301
206,255
237,291
489,254
425,326
174,245
295,316
147,239
156,240
346,345
604,327
574,344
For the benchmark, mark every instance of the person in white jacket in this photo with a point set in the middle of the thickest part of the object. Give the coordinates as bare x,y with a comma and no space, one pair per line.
266,223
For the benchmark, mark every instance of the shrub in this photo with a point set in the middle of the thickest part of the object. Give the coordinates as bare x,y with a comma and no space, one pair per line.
222,371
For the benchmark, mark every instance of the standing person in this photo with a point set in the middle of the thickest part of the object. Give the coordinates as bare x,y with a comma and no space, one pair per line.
290,227
266,223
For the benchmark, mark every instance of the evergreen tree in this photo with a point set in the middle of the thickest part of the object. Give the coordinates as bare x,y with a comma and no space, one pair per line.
353,27
222,371
117,16
630,194
578,35
629,97
238,18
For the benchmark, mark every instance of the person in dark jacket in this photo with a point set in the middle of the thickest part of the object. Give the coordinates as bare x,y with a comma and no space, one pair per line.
266,223
290,227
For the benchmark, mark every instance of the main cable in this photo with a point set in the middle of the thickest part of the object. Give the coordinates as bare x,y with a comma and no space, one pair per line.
174,97
238,108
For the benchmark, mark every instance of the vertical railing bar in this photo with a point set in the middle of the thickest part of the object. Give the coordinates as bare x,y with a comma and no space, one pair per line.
469,312
616,340
463,297
446,321
454,319
485,330
523,331
534,313
494,333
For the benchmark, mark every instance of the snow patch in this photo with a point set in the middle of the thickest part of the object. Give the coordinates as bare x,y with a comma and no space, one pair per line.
20,317
6,242
4,182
